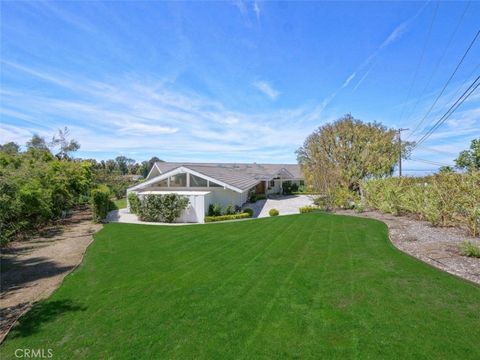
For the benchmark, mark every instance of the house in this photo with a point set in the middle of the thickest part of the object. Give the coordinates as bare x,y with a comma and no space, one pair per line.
216,183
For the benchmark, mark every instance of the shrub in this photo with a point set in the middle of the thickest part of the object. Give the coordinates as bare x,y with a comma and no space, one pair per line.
229,210
252,198
470,249
165,208
288,187
248,211
101,203
359,207
344,198
134,202
214,210
445,199
260,197
307,209
243,215
273,212
172,206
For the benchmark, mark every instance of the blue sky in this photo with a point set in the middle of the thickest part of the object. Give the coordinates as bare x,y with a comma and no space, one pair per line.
234,81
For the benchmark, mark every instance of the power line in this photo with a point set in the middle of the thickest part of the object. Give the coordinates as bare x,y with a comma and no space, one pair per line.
450,111
446,84
440,59
431,162
420,60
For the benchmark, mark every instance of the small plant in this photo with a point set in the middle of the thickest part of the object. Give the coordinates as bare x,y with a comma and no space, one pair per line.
214,210
229,210
248,211
243,215
134,202
307,209
470,249
273,212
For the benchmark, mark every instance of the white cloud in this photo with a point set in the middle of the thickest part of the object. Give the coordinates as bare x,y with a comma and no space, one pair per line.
256,10
266,88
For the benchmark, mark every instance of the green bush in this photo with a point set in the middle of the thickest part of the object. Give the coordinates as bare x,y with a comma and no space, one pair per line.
307,209
134,202
243,215
101,203
166,208
229,210
273,212
289,188
214,210
344,198
248,211
252,198
470,249
261,197
444,199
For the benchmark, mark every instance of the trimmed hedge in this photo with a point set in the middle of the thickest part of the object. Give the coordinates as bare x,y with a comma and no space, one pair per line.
248,211
101,203
134,202
244,215
307,209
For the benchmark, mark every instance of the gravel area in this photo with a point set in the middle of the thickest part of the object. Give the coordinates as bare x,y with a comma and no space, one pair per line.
33,269
435,245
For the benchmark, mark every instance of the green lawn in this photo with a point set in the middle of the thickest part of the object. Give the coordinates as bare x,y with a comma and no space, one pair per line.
121,204
303,286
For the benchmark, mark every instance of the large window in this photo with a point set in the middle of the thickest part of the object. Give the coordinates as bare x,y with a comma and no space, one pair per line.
196,181
163,183
179,180
212,184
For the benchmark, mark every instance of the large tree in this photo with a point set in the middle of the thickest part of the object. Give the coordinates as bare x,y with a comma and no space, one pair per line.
347,151
470,159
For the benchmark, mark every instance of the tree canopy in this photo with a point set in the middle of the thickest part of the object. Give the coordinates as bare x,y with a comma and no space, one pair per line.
470,159
347,151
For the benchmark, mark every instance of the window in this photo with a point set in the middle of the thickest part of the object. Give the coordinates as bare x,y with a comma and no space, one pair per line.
302,182
196,181
162,183
212,184
179,180
271,184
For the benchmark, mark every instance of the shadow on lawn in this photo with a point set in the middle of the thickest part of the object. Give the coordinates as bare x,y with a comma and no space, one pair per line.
40,314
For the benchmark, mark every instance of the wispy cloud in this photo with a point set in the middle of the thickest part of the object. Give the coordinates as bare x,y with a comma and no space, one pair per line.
134,115
256,10
266,88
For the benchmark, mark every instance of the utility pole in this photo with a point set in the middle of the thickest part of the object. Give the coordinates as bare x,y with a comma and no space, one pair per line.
399,132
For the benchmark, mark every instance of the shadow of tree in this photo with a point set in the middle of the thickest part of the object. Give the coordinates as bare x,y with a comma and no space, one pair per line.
41,313
17,272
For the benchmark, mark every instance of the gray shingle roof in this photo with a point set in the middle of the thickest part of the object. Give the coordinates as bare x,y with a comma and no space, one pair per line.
240,175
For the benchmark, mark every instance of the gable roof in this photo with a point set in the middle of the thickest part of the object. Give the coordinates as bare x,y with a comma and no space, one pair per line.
237,177
252,170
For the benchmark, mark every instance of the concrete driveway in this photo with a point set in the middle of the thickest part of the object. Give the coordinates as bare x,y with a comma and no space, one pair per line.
288,204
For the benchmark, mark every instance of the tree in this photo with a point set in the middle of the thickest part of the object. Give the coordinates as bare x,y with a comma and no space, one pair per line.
147,166
470,159
37,143
124,163
10,148
65,146
445,169
344,153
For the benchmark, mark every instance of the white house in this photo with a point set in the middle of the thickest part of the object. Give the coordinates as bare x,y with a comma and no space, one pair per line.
216,183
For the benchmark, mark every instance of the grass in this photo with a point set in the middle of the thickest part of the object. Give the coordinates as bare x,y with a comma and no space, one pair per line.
301,286
121,204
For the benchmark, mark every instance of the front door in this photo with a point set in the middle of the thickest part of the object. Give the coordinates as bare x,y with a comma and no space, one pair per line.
260,188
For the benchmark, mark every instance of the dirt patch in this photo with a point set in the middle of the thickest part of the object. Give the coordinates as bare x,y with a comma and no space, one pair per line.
434,245
32,270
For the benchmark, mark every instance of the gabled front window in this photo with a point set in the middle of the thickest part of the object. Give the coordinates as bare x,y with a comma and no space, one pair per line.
196,181
162,183
212,184
179,180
